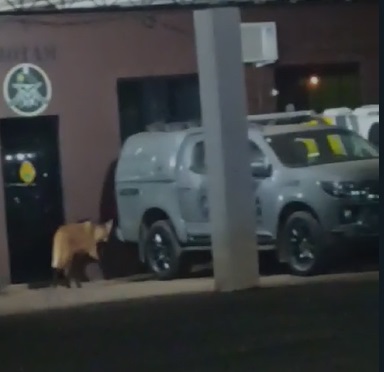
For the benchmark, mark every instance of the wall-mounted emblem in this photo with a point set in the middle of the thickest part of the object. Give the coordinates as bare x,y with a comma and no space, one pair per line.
27,89
27,172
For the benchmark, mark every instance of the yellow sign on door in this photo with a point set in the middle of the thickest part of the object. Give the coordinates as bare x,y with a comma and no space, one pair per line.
27,172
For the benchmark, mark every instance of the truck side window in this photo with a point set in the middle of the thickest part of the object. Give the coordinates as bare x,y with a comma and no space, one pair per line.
198,156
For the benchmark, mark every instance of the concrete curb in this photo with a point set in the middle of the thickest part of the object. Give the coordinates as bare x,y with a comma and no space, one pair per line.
19,299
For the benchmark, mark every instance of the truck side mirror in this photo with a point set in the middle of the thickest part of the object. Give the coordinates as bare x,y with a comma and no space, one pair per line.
261,170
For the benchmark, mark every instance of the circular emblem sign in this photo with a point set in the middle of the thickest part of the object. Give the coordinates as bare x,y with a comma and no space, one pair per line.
27,89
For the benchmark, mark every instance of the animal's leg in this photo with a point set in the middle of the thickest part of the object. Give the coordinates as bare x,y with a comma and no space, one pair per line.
76,270
78,282
67,276
55,277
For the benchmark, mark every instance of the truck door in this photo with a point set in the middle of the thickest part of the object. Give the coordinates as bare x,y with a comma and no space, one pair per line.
263,199
192,186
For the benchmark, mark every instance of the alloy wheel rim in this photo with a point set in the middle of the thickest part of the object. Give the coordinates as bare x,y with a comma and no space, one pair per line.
302,246
161,252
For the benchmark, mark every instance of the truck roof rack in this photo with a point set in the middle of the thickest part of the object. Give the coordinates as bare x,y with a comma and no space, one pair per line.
172,126
282,118
255,121
281,115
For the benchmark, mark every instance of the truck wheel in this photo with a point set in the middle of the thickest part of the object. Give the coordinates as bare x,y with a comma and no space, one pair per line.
163,253
304,242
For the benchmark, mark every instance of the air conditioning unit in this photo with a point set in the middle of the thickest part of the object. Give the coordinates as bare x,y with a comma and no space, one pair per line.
259,43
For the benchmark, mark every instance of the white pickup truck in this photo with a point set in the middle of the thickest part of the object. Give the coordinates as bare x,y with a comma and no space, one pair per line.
363,120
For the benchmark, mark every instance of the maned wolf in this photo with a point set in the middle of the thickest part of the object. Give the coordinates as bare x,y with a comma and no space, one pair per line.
76,239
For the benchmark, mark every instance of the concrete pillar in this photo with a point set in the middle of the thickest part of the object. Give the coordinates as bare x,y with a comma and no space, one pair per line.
223,105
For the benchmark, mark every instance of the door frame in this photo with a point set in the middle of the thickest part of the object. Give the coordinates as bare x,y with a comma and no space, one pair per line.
5,254
5,263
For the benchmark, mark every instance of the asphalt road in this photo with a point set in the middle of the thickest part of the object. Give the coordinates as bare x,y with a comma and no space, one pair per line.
318,328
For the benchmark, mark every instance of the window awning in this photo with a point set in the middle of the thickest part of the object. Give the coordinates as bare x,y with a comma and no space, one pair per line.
10,6
39,6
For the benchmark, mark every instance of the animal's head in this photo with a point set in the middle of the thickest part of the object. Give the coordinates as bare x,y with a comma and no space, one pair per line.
103,231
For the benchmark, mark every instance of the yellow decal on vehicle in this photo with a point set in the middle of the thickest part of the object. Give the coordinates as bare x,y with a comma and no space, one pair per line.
27,172
311,145
320,120
312,123
336,144
328,121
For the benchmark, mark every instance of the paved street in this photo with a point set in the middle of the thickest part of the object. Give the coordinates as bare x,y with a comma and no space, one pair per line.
324,327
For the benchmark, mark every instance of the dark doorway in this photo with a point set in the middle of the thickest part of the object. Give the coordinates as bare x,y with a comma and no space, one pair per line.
148,100
33,196
318,87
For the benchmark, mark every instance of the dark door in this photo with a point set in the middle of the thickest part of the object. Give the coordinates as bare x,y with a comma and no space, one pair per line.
33,198
337,85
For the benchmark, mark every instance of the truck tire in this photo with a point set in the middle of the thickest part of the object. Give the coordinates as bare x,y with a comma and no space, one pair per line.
304,243
163,252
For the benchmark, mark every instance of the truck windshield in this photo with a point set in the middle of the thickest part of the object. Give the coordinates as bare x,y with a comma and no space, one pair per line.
306,148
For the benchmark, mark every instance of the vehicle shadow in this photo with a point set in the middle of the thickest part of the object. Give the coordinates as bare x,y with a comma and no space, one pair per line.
107,205
355,262
121,261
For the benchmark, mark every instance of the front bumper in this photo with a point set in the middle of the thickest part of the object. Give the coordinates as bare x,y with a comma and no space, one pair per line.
362,222
199,240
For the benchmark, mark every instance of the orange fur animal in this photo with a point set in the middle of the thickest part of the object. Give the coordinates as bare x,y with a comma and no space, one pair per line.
75,239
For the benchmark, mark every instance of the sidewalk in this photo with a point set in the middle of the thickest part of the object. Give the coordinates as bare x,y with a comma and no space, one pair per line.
19,299
329,326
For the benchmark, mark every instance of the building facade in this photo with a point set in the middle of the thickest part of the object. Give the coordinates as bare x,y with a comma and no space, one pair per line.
104,76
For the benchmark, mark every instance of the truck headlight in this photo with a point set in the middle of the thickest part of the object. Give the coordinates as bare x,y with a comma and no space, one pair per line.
344,189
